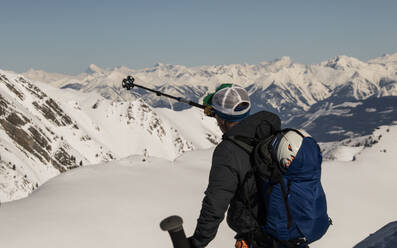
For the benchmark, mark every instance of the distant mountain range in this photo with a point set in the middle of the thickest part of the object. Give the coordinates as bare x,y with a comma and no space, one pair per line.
308,96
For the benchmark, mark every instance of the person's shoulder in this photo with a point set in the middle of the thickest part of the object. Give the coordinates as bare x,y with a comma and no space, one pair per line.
227,150
226,146
225,156
222,147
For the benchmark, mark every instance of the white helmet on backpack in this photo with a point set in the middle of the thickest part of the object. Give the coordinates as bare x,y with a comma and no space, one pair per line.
286,145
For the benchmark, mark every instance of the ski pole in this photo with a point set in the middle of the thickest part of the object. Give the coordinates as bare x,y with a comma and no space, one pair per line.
173,225
128,83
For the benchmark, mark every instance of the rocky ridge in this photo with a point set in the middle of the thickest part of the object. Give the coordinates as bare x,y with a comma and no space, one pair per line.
45,131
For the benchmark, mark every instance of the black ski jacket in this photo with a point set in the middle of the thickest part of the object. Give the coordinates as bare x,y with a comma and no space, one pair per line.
229,185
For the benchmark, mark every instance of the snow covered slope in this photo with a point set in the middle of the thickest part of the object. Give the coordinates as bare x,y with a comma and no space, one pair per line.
349,149
134,127
360,192
121,203
37,138
335,121
45,131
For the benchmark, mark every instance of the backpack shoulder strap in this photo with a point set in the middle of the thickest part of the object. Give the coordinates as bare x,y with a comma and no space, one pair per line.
246,143
277,178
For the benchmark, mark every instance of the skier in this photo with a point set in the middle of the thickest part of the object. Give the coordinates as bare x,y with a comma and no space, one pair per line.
230,183
268,180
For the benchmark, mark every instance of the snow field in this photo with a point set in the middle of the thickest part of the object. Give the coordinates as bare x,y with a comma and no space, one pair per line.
121,203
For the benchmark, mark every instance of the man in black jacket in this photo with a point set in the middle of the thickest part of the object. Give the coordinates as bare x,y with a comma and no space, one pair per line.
232,186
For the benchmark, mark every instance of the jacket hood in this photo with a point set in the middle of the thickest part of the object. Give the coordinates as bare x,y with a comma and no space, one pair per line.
248,127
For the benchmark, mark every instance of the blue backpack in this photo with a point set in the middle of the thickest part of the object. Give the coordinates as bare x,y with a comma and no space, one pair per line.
294,200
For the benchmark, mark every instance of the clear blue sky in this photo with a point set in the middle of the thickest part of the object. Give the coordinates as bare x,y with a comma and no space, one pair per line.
66,36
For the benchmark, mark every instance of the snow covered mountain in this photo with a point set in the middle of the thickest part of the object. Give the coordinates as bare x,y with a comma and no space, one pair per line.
116,204
335,120
289,89
89,118
45,131
281,83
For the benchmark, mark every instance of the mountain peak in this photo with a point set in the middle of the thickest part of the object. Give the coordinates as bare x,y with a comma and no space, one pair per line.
164,66
158,64
343,62
385,58
283,61
278,64
94,69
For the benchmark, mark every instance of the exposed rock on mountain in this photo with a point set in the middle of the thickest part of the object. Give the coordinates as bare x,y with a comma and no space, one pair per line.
45,131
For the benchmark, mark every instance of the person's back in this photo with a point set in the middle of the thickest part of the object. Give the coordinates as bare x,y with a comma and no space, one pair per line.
232,185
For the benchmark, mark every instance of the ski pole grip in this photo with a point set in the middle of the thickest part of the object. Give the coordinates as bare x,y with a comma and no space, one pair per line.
173,225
